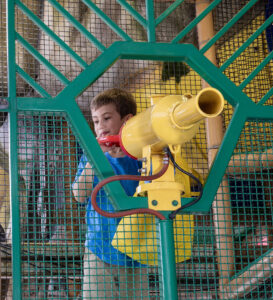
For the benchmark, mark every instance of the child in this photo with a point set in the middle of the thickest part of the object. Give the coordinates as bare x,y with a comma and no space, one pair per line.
108,273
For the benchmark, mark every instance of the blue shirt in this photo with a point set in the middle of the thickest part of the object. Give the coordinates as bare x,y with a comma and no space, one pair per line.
101,230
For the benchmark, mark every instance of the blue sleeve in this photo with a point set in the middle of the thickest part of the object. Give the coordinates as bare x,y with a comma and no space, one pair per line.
81,166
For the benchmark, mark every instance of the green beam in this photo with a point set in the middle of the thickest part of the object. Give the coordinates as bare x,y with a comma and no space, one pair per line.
249,41
77,25
13,158
167,259
222,158
42,59
107,20
266,97
50,33
224,29
256,70
168,11
150,21
193,24
32,82
138,17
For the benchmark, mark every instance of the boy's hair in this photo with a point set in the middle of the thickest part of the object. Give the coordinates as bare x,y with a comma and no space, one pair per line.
124,101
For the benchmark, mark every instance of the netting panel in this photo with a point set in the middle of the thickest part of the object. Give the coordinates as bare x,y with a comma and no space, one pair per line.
227,243
52,223
250,186
241,67
52,230
5,211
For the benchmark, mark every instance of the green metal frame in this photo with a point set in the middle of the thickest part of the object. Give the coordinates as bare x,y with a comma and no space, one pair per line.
244,108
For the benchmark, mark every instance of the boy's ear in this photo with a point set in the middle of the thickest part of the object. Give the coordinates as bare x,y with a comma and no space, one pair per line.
127,117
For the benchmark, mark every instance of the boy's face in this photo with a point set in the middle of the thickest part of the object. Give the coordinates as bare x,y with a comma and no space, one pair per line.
107,120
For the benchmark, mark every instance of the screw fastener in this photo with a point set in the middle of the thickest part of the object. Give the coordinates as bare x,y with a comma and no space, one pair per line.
154,202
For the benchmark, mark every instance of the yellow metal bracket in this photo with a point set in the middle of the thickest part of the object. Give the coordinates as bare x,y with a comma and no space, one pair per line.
164,193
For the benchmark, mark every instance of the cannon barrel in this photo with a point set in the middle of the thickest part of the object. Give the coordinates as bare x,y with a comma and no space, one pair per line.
172,120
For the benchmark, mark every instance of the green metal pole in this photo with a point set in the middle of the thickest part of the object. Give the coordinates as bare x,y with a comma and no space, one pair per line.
167,256
13,162
151,21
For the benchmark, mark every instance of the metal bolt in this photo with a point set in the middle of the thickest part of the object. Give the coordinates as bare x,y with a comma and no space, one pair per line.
143,159
142,170
154,202
174,202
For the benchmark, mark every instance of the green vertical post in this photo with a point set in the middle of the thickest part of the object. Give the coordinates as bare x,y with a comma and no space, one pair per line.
13,162
150,21
167,257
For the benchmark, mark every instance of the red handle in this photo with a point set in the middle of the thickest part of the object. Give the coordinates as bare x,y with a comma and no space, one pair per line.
109,140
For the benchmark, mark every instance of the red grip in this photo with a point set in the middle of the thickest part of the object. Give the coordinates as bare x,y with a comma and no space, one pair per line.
109,140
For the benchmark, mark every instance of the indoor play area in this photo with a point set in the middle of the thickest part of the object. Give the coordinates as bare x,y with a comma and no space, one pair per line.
198,223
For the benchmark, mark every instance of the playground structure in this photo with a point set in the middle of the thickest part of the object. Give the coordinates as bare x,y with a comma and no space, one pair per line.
57,56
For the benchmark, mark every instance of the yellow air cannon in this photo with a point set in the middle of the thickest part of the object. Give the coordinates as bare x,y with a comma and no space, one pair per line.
170,122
